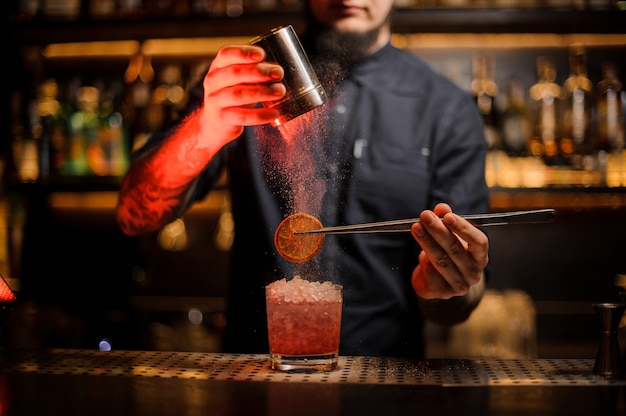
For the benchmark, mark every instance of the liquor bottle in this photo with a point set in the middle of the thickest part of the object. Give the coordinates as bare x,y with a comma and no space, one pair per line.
453,3
169,96
130,9
10,174
485,90
28,10
581,4
83,128
577,139
515,126
138,79
164,8
102,9
208,7
508,4
52,130
610,128
544,96
61,10
24,158
112,136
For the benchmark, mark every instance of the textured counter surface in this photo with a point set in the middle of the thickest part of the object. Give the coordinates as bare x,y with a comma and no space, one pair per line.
89,383
360,370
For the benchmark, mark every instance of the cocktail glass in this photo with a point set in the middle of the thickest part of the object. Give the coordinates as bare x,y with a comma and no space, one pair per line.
303,323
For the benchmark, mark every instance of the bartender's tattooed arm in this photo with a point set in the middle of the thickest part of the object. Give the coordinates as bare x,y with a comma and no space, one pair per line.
155,185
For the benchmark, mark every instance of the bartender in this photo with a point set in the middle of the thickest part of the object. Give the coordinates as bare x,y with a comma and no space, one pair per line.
394,140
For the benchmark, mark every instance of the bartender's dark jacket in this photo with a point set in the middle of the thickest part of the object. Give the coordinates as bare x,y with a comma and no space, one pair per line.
393,139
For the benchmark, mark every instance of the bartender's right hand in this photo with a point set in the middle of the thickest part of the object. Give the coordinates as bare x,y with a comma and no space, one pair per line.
238,79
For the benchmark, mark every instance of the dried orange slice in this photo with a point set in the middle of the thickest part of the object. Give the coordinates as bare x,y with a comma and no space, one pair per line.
298,248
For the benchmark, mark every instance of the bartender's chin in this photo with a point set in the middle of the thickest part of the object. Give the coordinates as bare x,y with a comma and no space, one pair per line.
344,46
336,52
350,24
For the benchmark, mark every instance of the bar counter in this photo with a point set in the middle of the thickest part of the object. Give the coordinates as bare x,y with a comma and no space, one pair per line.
90,383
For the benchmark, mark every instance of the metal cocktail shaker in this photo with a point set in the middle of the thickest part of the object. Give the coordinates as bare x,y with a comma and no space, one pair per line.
304,91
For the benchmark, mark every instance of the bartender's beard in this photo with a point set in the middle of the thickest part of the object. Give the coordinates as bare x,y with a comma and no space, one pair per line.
335,52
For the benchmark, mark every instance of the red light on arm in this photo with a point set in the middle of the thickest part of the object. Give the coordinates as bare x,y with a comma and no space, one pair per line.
6,294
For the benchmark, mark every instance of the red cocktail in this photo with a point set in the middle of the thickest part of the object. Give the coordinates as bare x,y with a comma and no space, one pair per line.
304,323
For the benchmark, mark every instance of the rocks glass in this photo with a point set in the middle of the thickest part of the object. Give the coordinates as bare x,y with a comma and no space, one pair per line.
304,324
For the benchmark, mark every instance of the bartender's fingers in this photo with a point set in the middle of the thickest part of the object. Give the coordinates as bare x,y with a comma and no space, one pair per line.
237,54
247,95
448,267
244,84
452,233
236,82
237,65
241,116
428,283
475,241
432,281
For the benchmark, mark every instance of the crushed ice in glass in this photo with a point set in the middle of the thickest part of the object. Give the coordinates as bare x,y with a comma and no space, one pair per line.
298,290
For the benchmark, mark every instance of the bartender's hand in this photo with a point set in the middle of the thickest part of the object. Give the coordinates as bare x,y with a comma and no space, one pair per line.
236,82
453,258
155,185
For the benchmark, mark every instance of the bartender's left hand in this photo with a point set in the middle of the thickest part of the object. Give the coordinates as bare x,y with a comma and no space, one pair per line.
453,257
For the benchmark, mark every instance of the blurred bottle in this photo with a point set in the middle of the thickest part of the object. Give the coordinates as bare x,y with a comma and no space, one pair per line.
610,127
61,10
159,108
581,4
556,4
292,5
33,144
138,79
24,157
577,141
130,9
102,9
516,125
509,4
111,152
28,10
208,7
602,4
52,131
544,96
234,8
83,129
453,3
166,8
10,168
168,97
485,90
400,4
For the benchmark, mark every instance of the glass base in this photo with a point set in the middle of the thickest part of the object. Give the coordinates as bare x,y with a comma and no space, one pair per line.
304,363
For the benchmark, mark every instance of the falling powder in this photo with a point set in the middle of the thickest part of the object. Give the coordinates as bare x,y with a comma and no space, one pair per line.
294,159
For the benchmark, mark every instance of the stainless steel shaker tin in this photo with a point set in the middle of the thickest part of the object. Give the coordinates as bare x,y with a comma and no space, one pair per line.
304,91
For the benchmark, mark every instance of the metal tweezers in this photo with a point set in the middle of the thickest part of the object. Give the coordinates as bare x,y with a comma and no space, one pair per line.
497,218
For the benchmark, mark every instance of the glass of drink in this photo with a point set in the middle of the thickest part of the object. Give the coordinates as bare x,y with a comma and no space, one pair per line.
303,323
